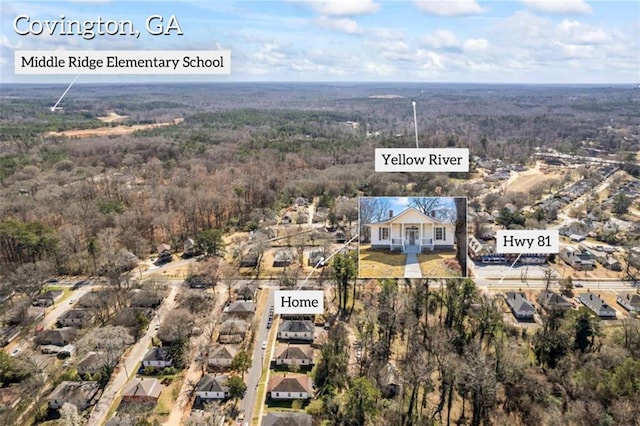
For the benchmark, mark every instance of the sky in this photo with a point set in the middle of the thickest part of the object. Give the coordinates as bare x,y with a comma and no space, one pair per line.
470,41
400,204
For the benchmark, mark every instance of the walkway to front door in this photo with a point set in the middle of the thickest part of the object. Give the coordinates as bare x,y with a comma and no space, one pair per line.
412,267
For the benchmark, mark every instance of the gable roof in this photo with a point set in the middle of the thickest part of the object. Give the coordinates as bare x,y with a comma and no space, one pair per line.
92,360
163,248
518,302
241,307
143,388
291,383
287,419
234,326
404,213
630,298
157,354
294,352
80,394
296,326
58,337
553,300
597,305
211,383
223,352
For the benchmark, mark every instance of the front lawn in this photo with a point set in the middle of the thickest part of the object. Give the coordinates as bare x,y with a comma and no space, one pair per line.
380,263
435,265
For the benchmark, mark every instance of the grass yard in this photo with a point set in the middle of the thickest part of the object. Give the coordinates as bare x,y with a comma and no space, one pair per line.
433,265
380,264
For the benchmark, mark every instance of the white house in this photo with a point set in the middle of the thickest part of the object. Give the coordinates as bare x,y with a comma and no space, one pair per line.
222,356
157,357
212,387
293,355
296,330
290,387
630,301
411,231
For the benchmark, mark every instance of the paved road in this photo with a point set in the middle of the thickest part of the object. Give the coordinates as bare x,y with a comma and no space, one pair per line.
52,317
253,376
131,360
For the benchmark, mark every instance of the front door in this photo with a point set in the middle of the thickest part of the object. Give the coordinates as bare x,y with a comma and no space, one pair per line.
412,235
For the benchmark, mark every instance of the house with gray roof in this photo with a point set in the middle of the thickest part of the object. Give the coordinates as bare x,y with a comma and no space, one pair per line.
212,387
233,331
287,418
157,357
222,356
522,309
48,298
241,309
57,337
296,330
551,301
629,300
597,305
76,318
81,394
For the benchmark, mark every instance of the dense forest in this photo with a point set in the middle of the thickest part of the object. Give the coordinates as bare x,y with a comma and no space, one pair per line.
244,150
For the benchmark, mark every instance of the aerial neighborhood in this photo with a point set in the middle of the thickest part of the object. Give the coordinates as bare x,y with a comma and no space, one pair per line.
139,265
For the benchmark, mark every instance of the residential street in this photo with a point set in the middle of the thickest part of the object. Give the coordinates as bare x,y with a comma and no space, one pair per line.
126,369
255,372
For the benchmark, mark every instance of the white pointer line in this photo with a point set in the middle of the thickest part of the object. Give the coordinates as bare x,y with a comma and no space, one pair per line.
324,261
512,265
53,108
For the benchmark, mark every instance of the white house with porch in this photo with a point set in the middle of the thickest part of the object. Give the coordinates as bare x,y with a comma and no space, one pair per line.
412,232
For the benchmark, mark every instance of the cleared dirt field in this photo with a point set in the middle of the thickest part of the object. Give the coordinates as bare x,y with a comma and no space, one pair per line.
112,117
108,131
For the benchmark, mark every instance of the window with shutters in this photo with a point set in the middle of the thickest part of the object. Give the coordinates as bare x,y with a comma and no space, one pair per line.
383,234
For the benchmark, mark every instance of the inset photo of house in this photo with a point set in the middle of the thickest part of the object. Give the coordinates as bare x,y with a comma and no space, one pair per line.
412,237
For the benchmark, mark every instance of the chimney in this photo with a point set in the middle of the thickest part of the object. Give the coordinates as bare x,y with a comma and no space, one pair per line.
390,214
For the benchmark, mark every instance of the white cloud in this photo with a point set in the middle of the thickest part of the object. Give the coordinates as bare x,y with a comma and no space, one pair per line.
575,32
345,25
450,7
270,54
387,34
379,68
343,7
576,51
441,39
305,65
559,6
476,45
